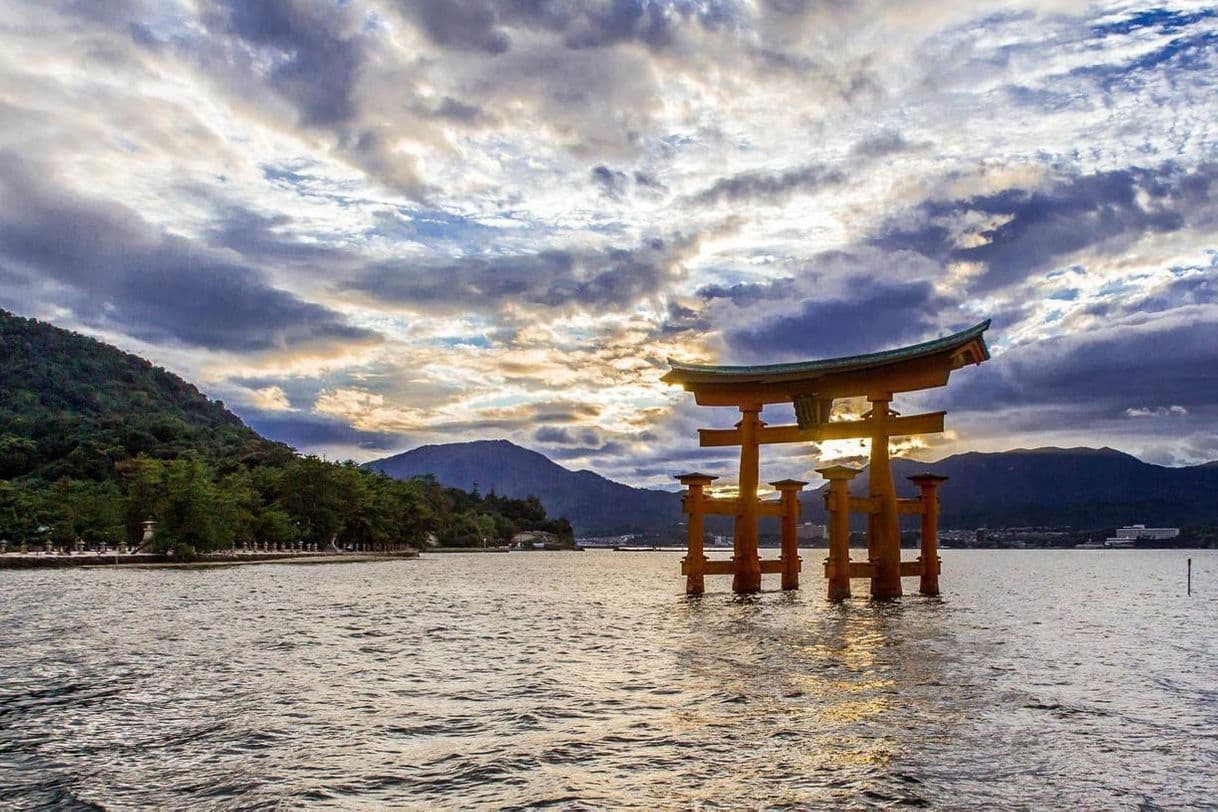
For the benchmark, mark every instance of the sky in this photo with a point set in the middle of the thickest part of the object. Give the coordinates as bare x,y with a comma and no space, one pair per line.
368,225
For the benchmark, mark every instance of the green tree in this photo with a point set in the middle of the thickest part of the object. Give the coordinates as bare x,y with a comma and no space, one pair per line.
189,521
144,477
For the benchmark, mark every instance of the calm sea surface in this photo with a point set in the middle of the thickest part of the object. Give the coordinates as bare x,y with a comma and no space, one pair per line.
583,680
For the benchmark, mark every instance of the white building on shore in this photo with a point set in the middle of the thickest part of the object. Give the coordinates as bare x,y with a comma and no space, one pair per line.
1129,536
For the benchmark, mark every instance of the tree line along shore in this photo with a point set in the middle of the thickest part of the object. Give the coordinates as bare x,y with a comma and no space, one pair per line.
94,442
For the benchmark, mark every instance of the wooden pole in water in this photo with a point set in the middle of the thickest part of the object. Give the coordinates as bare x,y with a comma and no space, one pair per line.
838,504
929,485
695,560
790,488
747,565
1190,576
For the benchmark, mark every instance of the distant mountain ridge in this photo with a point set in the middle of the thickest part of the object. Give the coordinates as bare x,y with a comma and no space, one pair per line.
1080,487
594,505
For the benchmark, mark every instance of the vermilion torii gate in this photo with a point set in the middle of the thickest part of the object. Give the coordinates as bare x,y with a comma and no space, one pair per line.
812,386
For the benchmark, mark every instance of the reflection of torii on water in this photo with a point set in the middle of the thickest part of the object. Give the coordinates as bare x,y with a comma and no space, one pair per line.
812,386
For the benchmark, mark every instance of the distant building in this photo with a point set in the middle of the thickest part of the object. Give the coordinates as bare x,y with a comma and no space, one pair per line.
1131,535
807,530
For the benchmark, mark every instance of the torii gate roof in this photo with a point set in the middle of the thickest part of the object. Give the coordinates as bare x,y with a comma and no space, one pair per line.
917,366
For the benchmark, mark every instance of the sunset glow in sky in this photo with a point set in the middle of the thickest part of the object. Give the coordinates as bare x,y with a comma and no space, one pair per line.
373,224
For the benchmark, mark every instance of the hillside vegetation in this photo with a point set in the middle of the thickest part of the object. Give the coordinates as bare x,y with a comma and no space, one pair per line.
94,441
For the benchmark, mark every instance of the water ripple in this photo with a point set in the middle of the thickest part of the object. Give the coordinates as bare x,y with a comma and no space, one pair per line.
584,681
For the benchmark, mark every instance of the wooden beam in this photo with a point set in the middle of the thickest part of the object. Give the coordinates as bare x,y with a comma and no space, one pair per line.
731,507
864,569
863,504
914,506
728,566
928,423
715,566
721,507
769,508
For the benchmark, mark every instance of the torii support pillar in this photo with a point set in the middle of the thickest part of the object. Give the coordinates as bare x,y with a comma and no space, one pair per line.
929,485
837,500
790,488
746,577
884,544
694,564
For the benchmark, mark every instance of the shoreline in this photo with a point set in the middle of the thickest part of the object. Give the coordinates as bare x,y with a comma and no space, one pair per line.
31,561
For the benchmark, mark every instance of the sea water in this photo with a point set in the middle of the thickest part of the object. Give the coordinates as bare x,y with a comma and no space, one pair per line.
586,680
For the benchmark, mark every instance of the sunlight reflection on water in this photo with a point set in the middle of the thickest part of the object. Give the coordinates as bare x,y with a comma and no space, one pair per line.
1039,679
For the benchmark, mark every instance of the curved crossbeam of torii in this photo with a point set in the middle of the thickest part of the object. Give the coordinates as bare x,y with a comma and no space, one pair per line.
812,386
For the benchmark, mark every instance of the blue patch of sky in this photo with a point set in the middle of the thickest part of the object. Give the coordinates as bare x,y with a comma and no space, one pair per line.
1194,53
1115,287
432,225
1068,295
296,177
1077,270
482,342
1162,19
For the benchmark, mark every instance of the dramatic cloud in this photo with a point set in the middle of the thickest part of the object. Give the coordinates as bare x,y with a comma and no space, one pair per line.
872,316
1016,232
114,270
767,186
612,278
370,224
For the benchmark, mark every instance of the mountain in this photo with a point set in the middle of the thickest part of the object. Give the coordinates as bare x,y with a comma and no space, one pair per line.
1081,487
73,406
594,505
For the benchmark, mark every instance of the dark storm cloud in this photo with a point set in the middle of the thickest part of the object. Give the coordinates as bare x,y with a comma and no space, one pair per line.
451,109
318,54
606,278
256,237
1168,361
117,271
743,294
463,24
611,182
875,315
768,187
681,319
1036,229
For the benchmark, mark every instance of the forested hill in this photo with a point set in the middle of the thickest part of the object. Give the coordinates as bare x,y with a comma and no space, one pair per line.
95,441
71,406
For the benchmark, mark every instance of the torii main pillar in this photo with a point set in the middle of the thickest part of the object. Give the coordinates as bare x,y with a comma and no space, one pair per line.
884,540
745,555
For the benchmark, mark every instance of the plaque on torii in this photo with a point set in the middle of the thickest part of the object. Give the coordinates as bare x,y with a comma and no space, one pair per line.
812,387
